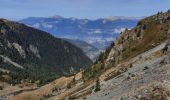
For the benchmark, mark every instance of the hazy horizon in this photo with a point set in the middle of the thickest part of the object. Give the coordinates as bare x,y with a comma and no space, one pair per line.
90,9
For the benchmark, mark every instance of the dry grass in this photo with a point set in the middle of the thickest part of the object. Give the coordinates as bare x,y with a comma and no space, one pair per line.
44,90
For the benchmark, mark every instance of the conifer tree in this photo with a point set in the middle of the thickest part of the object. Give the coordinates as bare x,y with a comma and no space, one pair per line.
97,85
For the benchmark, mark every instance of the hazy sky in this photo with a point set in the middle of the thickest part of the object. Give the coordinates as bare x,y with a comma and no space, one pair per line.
17,9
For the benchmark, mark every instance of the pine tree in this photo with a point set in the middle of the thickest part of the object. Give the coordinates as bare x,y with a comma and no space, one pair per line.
97,85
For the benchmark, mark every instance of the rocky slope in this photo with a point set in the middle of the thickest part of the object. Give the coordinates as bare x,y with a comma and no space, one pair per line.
31,55
147,78
139,64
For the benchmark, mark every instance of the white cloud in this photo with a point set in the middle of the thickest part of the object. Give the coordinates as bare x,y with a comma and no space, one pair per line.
119,30
36,25
47,25
92,40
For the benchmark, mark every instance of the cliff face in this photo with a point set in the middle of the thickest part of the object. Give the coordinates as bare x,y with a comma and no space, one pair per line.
149,33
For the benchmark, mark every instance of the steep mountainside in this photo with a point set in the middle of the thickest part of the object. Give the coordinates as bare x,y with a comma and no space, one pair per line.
91,51
135,67
100,33
148,33
29,54
138,64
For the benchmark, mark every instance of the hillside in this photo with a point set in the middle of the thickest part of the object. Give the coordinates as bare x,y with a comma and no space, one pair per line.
31,55
148,33
99,33
135,67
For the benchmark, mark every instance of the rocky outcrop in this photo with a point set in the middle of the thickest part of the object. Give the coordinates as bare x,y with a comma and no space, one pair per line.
35,51
19,49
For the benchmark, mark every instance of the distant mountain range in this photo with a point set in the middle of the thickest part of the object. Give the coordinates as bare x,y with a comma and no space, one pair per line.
99,33
32,55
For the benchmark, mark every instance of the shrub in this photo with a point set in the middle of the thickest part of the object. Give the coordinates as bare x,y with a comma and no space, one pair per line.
165,49
55,89
47,96
1,51
146,67
68,85
144,27
1,59
168,18
131,65
1,87
71,98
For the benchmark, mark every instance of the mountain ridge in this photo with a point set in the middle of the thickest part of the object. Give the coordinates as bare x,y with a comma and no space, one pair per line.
98,32
41,54
90,31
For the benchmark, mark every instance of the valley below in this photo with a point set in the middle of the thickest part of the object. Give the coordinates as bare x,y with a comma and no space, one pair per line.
148,78
36,65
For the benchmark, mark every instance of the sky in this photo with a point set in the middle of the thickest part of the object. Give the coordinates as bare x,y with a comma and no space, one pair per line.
91,9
